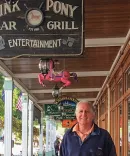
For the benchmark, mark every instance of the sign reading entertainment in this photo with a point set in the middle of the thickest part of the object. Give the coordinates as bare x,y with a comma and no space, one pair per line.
58,27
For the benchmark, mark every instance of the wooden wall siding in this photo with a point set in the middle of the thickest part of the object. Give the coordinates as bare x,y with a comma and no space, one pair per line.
117,74
110,18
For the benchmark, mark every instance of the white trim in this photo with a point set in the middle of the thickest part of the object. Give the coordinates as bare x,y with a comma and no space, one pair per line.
67,90
103,42
53,100
79,74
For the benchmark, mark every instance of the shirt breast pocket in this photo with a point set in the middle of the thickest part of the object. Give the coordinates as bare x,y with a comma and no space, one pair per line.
98,152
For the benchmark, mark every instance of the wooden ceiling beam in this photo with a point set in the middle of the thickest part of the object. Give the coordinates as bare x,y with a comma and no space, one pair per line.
51,101
79,74
66,90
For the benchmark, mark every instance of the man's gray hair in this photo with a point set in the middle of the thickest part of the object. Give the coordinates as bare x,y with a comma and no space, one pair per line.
87,103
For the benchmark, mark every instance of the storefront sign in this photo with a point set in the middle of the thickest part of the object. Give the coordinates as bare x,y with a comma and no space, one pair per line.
66,117
41,28
64,108
51,109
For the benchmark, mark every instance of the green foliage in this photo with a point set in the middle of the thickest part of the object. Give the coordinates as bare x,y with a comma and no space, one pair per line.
17,115
1,82
1,108
17,128
36,130
17,123
35,122
1,103
44,129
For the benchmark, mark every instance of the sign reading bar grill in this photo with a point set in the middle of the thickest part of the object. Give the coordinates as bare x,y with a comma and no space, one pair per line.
41,28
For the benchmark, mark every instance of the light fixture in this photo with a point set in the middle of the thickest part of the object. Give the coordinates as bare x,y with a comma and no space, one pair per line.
44,66
55,91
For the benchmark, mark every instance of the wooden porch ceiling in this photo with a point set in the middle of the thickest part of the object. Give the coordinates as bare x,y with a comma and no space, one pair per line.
105,28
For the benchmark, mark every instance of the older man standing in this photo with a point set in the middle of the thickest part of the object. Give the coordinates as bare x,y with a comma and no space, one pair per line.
86,138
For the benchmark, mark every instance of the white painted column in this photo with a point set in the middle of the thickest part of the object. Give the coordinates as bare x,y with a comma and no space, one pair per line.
24,124
8,87
51,135
47,134
30,131
41,136
54,130
54,133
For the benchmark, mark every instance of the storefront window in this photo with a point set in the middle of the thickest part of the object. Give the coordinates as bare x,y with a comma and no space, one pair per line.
101,108
120,89
106,104
128,79
112,97
106,119
129,126
113,123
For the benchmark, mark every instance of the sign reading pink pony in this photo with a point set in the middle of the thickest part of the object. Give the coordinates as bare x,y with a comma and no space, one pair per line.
47,73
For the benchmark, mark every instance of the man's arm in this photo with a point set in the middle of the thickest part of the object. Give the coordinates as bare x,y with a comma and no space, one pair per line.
62,153
111,147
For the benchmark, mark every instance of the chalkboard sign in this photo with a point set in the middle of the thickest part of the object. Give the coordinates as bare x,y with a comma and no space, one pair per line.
41,28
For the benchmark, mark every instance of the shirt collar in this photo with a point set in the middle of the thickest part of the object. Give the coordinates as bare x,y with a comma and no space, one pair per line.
76,129
96,130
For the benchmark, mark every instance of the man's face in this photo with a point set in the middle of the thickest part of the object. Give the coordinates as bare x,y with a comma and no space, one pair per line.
84,114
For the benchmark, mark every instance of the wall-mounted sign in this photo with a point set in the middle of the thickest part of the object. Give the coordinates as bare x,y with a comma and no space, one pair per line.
41,28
